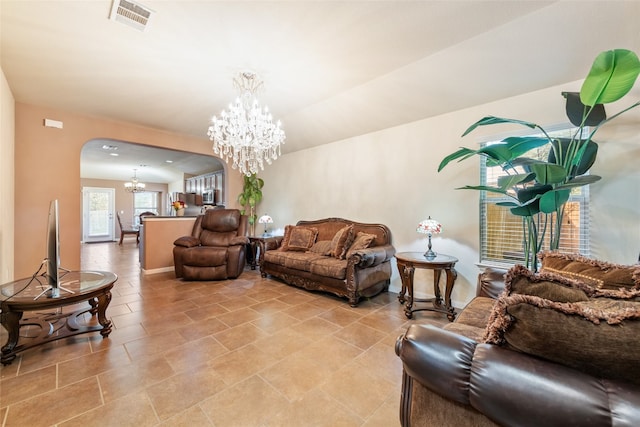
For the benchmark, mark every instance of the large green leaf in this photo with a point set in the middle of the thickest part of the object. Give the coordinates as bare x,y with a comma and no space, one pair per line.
611,77
520,145
587,154
484,188
525,163
496,154
492,120
548,173
530,209
508,204
579,181
499,153
527,194
552,201
456,155
509,181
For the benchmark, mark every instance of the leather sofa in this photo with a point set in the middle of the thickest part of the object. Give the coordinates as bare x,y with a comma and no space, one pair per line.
452,378
354,271
216,248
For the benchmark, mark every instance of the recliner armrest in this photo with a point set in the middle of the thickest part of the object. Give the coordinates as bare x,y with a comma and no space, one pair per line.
187,241
239,240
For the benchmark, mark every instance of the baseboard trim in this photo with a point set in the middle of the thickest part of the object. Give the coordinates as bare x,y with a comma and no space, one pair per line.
156,270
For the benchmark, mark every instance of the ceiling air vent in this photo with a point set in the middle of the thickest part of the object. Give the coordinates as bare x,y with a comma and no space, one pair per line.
131,13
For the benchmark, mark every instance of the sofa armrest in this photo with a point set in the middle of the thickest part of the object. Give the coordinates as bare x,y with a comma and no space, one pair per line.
270,243
187,241
491,282
513,388
239,240
438,359
369,257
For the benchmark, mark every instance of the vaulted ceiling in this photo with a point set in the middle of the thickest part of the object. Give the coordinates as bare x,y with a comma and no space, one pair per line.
332,69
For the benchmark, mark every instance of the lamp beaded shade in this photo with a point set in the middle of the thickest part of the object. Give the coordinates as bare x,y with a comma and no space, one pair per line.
429,227
265,219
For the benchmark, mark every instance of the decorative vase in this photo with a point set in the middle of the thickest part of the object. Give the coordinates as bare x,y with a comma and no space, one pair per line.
180,212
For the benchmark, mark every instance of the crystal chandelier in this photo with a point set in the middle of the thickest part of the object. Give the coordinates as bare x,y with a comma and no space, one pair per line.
134,186
246,133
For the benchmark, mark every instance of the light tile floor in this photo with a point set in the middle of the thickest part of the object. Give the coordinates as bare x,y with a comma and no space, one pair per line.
244,352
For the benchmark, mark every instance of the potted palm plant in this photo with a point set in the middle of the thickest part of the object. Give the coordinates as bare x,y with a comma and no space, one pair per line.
538,188
251,195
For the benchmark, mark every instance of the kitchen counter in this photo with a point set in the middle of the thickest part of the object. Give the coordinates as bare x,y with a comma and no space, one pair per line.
157,234
171,217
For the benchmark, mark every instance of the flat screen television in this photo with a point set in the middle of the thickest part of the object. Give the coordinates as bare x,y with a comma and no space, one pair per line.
52,259
53,251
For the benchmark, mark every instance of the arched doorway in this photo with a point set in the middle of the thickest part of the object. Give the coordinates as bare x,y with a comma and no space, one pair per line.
106,165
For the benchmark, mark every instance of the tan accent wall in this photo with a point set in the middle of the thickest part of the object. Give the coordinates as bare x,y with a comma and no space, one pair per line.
7,192
157,241
47,166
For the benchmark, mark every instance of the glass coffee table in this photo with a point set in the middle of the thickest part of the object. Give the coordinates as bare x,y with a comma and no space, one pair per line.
45,320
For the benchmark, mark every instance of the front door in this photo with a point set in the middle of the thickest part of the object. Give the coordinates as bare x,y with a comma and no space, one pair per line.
98,207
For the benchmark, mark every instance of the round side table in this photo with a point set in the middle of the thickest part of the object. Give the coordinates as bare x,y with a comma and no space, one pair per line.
408,262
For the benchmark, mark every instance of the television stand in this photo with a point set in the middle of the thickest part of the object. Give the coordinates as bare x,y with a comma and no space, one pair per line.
54,291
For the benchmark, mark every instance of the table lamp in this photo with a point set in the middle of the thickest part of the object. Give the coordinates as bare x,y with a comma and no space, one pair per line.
429,227
265,219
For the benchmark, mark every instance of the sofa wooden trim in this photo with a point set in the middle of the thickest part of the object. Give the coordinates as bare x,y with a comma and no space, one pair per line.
368,270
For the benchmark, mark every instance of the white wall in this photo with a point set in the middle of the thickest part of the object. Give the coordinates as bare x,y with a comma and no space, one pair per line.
391,177
7,194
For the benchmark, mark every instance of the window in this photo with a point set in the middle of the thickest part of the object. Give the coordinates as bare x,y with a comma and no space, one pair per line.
146,201
502,233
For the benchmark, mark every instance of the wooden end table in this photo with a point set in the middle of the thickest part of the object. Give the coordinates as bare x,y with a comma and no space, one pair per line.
408,262
263,243
254,243
21,296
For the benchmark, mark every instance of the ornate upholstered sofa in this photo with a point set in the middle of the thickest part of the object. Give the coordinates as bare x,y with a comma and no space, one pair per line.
544,349
216,248
343,257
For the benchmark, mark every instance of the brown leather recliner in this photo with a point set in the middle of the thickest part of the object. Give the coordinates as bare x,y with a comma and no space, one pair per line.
216,249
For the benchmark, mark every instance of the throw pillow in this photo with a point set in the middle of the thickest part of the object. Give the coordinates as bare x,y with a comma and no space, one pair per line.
297,238
341,242
362,241
321,247
598,274
597,336
521,280
556,287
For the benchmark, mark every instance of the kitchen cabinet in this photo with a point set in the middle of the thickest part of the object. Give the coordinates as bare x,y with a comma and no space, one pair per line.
210,181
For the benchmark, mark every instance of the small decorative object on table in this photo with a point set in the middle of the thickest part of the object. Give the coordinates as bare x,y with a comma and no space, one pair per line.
179,206
265,219
429,227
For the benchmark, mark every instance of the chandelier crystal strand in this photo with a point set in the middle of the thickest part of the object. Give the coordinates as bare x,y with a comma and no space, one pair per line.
246,134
